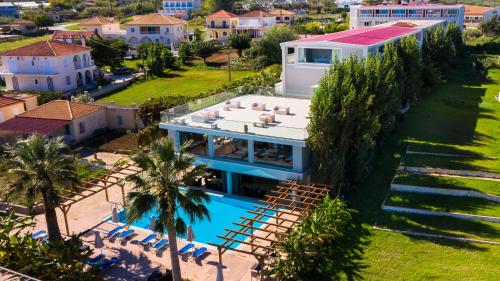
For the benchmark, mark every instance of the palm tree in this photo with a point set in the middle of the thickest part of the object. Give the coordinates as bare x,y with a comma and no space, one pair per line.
158,187
40,166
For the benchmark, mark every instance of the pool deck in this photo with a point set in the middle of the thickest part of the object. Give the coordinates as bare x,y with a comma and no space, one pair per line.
137,263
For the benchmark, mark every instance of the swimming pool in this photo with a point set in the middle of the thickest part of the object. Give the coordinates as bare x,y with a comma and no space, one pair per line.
223,212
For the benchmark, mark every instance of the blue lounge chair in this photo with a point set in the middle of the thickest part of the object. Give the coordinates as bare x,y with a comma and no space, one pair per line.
199,252
107,264
147,240
185,249
39,234
126,234
96,260
114,231
160,244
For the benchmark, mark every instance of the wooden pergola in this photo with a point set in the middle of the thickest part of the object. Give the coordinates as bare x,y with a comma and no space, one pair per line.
93,186
280,211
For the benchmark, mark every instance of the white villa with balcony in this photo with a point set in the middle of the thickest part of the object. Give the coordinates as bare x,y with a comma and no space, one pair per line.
48,65
244,139
255,23
365,16
306,60
156,28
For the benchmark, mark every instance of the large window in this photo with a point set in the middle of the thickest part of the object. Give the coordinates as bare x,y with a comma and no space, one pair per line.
399,13
150,30
322,56
235,149
198,142
275,154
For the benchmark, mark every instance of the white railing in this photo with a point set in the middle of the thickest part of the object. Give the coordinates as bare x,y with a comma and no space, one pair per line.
14,275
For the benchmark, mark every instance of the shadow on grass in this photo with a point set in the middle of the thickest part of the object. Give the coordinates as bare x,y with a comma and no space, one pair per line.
441,148
443,162
442,226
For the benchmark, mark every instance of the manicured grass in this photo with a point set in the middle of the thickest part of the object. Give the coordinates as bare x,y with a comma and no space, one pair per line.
11,45
449,162
485,186
75,26
188,81
472,229
435,121
443,203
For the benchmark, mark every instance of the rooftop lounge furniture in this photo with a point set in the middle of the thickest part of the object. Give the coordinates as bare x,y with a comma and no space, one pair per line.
268,118
114,231
282,110
126,234
96,260
160,245
146,241
186,249
259,123
199,252
199,118
258,106
231,104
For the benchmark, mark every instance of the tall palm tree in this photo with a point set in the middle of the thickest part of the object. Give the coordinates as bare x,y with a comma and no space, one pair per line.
158,187
40,166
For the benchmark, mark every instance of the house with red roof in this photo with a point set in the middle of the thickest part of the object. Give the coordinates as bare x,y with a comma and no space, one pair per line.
370,15
156,28
306,60
80,37
48,65
475,14
9,108
222,23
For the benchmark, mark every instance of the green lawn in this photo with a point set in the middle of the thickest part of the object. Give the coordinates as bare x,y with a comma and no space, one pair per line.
471,163
461,115
11,45
189,81
443,203
485,186
75,26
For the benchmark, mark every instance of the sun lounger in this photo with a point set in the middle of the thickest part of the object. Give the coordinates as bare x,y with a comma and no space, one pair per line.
107,264
185,249
147,240
160,245
114,231
199,252
126,234
96,260
39,235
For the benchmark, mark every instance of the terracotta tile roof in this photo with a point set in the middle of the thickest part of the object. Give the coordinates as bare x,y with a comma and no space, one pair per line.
32,125
222,15
404,24
281,12
62,110
97,21
156,18
73,34
47,48
6,101
476,10
254,14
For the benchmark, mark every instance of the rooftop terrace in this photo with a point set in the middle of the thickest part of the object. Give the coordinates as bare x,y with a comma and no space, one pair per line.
269,116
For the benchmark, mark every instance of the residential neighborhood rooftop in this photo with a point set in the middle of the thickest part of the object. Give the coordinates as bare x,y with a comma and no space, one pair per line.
61,110
97,21
291,126
155,18
6,101
47,48
222,14
362,36
255,14
32,125
476,10
73,34
279,12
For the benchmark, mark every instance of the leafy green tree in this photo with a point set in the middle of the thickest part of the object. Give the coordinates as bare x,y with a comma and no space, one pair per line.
314,27
184,52
491,27
267,50
240,42
321,247
43,20
159,188
203,49
107,52
411,70
158,58
438,46
215,5
40,166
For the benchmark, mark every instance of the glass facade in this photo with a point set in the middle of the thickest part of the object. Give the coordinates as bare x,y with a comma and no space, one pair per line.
320,56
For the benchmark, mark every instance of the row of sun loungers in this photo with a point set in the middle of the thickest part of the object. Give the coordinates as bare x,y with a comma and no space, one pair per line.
101,263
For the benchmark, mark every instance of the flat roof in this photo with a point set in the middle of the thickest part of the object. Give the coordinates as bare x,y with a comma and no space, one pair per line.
361,36
290,126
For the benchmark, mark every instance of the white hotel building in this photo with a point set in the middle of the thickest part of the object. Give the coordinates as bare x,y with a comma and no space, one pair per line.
365,16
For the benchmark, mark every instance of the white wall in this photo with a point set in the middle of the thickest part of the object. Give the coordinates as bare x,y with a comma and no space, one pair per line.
169,34
92,122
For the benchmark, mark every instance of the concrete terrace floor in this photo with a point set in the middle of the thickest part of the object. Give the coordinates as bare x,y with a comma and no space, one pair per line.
137,263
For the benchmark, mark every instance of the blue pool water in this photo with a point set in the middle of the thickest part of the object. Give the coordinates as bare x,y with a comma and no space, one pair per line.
223,212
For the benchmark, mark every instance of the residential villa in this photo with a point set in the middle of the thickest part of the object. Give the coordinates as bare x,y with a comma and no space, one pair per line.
220,25
105,27
157,28
283,16
75,36
306,60
9,108
48,65
183,8
475,14
74,121
255,23
30,100
365,16
245,140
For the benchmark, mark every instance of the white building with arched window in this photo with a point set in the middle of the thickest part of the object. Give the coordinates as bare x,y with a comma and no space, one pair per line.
48,65
156,28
